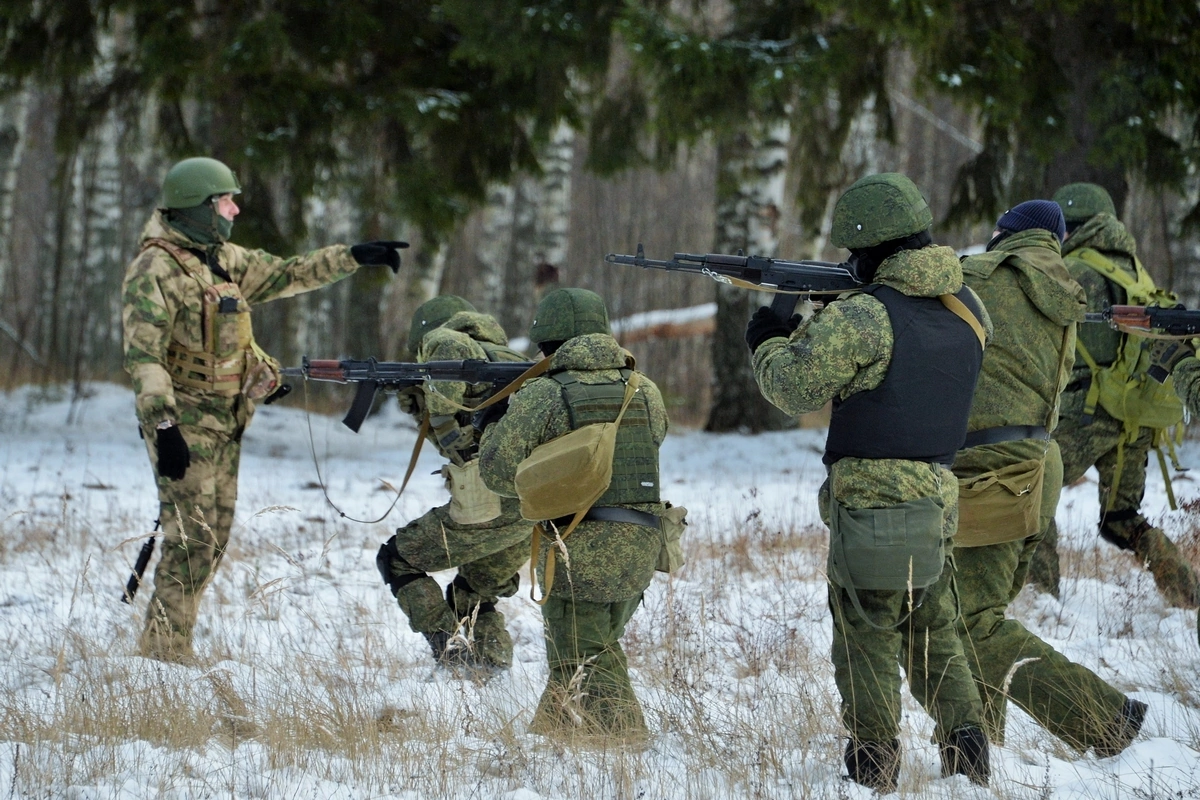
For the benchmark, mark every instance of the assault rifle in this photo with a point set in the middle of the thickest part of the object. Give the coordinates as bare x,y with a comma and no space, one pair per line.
372,375
1170,321
792,278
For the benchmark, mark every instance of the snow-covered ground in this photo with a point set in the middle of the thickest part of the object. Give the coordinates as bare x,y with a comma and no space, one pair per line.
311,685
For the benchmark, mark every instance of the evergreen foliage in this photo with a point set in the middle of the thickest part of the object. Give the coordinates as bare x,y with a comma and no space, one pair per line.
448,95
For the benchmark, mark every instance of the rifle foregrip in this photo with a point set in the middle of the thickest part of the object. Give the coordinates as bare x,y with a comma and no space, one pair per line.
326,369
364,398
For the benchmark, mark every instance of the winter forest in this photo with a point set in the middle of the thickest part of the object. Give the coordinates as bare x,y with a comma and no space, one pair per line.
514,144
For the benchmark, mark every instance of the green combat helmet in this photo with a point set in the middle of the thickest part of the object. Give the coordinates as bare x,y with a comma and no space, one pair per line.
878,209
566,313
434,314
1082,201
193,180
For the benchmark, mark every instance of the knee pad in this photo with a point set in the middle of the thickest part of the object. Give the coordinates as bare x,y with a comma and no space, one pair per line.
384,559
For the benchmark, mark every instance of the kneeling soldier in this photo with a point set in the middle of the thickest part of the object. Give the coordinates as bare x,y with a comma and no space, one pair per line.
478,532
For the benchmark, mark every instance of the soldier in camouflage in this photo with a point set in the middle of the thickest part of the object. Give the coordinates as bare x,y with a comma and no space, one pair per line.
1097,441
900,367
605,565
1035,306
478,532
198,373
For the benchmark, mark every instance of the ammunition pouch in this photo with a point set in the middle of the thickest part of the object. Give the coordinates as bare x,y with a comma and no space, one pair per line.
471,502
1001,505
897,548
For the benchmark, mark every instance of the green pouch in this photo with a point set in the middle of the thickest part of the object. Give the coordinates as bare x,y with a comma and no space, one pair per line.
672,522
889,549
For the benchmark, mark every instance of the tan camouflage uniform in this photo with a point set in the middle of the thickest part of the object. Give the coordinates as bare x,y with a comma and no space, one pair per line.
844,349
488,554
1033,302
163,306
596,588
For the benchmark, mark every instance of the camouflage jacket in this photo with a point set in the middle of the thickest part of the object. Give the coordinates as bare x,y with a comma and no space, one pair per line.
1104,233
163,305
1035,306
846,348
537,413
458,339
1187,384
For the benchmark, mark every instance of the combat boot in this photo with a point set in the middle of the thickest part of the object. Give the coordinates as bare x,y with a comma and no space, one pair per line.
1122,730
1174,576
161,642
875,765
965,752
492,643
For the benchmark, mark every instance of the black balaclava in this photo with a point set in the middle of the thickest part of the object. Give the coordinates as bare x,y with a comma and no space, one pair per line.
866,261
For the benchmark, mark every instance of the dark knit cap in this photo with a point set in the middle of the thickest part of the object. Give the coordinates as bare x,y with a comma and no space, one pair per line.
1045,214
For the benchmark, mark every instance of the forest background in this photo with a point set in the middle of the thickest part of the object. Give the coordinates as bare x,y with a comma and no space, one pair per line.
514,143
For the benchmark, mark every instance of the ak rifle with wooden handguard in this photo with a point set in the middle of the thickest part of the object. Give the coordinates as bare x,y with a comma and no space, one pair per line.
789,278
1149,319
372,375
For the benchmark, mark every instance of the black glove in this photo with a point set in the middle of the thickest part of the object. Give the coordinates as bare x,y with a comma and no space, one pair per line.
379,254
283,391
765,325
173,455
1165,354
486,416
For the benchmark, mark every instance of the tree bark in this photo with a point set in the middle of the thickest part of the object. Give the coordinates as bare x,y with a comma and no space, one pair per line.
750,181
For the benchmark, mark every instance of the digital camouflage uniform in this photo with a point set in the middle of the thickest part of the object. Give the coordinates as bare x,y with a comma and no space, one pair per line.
488,554
1085,444
1187,385
598,586
163,308
845,349
1033,302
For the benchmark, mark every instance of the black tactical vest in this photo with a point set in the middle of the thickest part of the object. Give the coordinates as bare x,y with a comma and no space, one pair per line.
920,411
635,461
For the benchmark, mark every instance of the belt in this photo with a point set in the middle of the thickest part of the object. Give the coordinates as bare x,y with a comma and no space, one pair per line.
612,514
1005,433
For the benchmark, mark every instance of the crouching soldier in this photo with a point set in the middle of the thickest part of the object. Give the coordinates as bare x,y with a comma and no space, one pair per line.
1010,477
479,532
594,566
899,360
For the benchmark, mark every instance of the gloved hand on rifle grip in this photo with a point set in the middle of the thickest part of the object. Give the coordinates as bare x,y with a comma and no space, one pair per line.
174,458
283,391
765,325
1165,354
379,254
486,416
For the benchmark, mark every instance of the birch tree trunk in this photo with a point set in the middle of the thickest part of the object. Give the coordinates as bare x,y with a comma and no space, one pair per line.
750,180
525,226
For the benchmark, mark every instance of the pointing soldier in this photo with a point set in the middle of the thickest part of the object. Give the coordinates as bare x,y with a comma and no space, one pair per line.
198,372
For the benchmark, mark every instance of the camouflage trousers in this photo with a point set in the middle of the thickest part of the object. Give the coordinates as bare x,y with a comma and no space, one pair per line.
1083,446
488,556
597,588
867,661
197,516
1065,698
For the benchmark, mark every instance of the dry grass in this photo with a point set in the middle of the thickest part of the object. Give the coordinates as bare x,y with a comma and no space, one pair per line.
313,689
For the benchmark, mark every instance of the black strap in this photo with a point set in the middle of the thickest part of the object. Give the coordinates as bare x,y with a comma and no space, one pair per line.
1005,433
613,514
